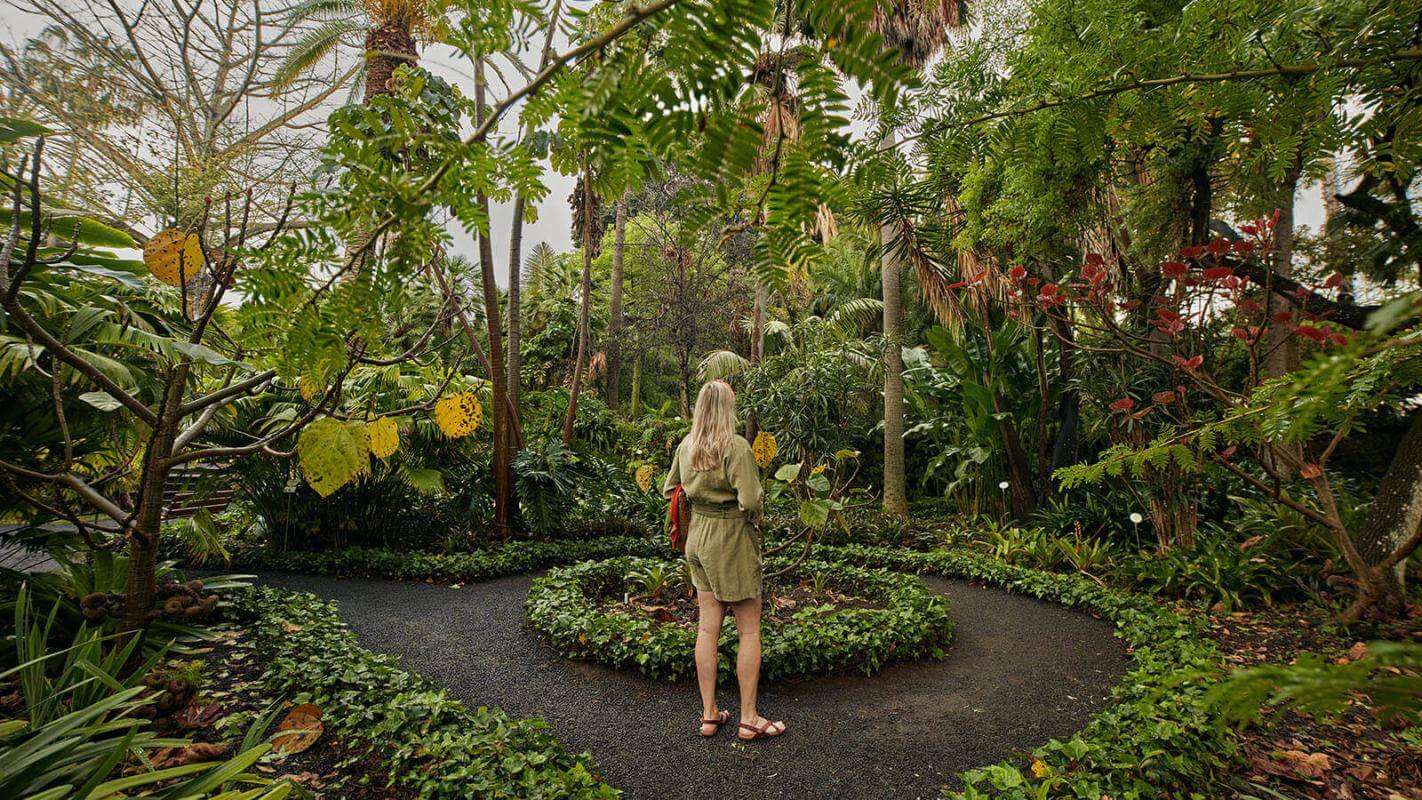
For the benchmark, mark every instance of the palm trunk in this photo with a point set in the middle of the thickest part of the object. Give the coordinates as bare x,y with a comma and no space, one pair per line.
516,305
634,403
386,48
614,327
895,479
1396,511
502,420
584,311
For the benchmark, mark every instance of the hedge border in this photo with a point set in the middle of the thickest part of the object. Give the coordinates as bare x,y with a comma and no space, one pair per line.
914,624
513,558
425,740
1156,738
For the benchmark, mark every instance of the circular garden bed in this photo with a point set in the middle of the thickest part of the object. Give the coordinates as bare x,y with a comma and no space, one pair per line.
818,617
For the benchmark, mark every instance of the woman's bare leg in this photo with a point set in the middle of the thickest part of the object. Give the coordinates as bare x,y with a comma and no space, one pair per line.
747,614
711,616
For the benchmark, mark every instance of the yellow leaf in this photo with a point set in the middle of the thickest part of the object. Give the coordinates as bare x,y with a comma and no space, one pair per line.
764,449
172,257
384,436
459,414
645,473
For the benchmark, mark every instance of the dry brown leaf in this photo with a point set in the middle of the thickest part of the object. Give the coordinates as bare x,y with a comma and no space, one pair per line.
189,754
301,728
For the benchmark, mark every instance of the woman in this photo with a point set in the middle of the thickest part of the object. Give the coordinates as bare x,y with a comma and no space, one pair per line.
719,474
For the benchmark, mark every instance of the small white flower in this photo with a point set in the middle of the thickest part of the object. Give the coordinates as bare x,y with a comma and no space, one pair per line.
1003,485
1136,518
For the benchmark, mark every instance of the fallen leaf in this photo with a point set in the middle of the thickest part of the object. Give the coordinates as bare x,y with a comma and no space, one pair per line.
188,754
301,728
195,715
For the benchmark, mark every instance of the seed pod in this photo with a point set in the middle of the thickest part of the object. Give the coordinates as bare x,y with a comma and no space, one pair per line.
193,612
195,585
173,607
93,600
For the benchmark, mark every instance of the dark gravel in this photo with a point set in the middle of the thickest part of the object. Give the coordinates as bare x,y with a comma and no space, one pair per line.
1020,672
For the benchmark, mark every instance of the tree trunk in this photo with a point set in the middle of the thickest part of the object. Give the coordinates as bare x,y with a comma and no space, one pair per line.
516,305
386,48
1066,448
584,311
614,325
145,530
1281,353
895,479
1397,508
757,346
502,420
634,403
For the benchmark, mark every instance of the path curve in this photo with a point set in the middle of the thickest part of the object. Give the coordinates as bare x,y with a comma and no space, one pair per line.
1019,672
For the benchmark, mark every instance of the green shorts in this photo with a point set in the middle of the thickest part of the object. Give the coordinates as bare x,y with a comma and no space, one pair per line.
723,551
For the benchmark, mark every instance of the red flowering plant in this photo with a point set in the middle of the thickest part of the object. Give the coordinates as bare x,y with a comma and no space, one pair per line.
1223,300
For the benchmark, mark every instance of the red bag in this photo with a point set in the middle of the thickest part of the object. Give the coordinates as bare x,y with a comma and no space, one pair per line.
679,515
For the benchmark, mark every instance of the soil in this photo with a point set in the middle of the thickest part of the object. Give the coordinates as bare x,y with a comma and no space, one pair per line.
782,604
1300,756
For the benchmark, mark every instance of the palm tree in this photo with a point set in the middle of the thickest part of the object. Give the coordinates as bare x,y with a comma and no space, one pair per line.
916,30
387,29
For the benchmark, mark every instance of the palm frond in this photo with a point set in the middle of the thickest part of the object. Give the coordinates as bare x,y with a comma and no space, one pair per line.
722,364
313,48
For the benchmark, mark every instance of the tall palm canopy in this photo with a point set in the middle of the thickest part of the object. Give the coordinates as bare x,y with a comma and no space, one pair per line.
388,29
918,29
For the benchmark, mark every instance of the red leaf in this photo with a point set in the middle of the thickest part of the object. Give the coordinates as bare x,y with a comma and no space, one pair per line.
1192,363
1273,219
1124,404
1050,289
1166,396
1310,471
1338,338
1282,317
1172,269
1334,280
1249,306
1095,259
1131,305
1219,246
1241,334
957,285
1310,332
1192,252
1018,272
1218,273
1249,228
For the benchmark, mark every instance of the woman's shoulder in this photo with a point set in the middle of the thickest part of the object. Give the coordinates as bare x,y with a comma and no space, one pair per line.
739,444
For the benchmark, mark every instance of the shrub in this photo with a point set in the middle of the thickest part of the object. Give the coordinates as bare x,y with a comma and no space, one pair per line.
1220,571
563,608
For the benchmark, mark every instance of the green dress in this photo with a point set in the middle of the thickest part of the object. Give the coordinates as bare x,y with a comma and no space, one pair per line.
723,544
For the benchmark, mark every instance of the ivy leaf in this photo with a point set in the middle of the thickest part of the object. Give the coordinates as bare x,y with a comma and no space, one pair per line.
333,453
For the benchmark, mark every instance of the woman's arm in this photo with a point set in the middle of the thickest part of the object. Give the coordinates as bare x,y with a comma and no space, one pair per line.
745,476
673,475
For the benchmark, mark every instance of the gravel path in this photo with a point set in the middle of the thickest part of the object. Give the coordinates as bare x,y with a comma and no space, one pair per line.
1019,672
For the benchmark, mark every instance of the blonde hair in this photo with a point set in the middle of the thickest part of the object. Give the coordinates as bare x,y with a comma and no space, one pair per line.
713,425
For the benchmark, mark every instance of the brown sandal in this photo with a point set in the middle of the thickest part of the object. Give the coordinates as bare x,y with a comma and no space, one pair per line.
761,732
721,719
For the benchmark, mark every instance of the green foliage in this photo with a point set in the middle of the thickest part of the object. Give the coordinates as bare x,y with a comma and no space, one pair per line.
548,476
84,720
914,623
1219,571
1388,675
425,741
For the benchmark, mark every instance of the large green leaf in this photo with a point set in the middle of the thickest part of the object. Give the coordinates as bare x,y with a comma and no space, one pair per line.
12,129
333,453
